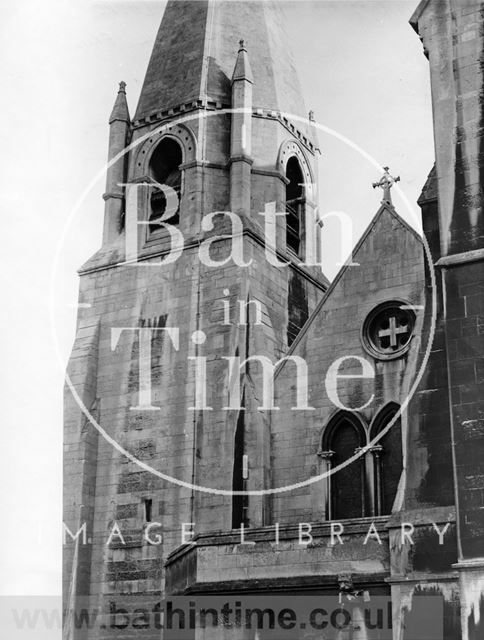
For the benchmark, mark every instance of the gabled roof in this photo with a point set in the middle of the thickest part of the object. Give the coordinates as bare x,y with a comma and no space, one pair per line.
384,209
417,13
430,188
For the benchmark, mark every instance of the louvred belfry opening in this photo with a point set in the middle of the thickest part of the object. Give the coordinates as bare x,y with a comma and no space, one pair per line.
294,205
165,169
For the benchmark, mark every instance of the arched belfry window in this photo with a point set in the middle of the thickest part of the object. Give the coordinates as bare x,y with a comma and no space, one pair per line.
165,169
294,205
345,492
388,458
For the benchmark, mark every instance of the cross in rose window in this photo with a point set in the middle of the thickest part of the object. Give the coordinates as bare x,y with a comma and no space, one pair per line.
394,329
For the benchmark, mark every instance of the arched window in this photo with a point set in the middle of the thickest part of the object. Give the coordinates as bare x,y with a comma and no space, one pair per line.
367,486
388,459
165,169
346,496
294,205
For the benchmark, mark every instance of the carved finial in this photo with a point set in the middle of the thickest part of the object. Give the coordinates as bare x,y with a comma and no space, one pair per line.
120,110
386,182
242,69
311,116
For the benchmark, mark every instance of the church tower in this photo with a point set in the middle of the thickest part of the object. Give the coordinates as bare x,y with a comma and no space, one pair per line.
160,423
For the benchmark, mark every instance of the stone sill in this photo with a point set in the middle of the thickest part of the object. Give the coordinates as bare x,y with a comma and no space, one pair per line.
286,532
461,258
411,578
475,564
292,583
423,516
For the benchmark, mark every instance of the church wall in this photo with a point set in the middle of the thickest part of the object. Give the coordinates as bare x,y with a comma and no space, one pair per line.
195,447
123,297
390,268
430,477
266,285
168,438
282,446
80,459
452,34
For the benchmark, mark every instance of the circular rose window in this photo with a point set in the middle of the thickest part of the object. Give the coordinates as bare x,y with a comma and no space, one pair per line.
388,329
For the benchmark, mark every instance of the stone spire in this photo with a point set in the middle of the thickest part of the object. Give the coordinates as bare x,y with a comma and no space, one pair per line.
119,132
193,57
242,70
120,110
241,133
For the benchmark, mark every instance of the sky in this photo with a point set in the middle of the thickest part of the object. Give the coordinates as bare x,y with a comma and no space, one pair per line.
362,71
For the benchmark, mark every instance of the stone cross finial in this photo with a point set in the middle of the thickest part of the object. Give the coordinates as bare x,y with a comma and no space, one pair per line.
122,87
242,45
386,182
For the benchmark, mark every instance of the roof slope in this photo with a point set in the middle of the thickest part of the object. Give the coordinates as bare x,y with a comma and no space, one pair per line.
380,239
195,51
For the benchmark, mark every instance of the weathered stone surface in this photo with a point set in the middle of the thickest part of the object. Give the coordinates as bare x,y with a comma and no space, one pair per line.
441,432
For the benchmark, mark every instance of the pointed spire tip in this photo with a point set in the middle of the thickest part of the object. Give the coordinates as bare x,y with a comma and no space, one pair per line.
242,70
120,110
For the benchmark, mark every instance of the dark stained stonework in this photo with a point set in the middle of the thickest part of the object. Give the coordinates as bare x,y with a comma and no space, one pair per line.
297,307
453,36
